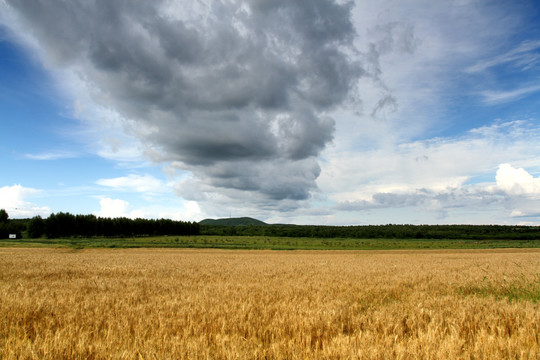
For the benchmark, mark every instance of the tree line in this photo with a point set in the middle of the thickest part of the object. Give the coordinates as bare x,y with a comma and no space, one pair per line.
64,224
389,231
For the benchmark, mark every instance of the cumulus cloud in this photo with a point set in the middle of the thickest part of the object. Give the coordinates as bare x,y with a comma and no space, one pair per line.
113,208
14,200
517,181
184,211
190,211
232,91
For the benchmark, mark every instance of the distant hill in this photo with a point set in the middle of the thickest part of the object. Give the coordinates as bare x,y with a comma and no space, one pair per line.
242,221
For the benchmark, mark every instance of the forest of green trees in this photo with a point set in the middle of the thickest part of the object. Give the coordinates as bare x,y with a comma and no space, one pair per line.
390,231
63,225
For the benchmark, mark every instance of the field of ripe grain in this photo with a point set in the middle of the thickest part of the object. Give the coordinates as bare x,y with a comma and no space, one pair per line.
219,304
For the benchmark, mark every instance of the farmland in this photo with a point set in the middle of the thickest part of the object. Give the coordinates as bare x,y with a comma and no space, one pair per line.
217,304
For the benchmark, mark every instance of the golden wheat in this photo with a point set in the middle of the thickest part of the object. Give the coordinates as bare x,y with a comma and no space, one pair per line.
212,304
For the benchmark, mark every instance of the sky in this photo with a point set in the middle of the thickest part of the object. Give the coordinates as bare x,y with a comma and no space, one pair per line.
289,111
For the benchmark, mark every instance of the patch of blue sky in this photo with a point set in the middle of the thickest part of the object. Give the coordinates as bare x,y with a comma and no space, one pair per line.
486,98
30,106
481,179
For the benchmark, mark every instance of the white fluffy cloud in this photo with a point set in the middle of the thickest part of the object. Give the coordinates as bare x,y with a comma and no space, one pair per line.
185,211
14,199
517,181
189,211
113,208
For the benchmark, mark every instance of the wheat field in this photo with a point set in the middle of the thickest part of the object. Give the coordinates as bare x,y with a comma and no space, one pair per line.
218,304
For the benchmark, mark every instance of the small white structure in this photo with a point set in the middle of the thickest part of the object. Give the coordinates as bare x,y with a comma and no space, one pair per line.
12,236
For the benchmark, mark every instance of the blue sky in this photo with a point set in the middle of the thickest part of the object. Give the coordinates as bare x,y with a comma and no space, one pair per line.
315,112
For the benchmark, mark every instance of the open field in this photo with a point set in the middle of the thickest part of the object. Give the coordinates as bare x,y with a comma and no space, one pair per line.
219,304
268,242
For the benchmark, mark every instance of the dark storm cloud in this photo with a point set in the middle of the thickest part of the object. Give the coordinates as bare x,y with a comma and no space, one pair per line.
238,92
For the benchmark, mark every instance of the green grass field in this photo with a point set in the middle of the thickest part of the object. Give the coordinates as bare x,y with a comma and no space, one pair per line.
273,243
